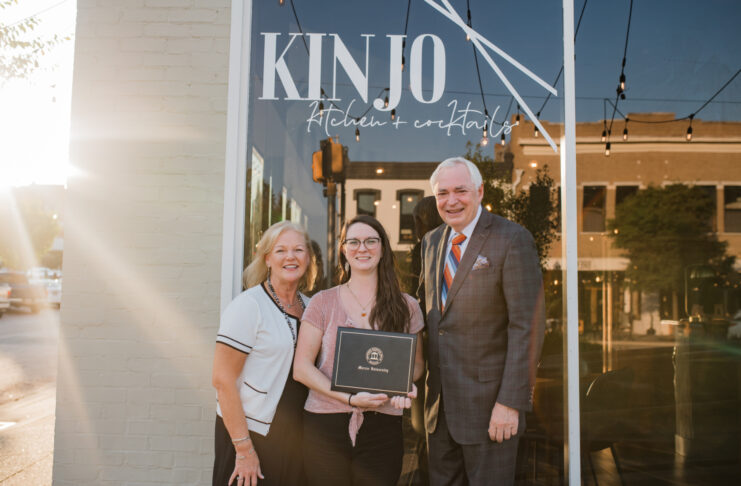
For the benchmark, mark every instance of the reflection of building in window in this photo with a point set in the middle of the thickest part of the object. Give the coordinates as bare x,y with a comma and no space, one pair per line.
408,199
367,200
732,209
710,191
594,208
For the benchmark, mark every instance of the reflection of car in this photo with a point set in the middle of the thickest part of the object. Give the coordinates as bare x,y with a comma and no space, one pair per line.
23,293
4,298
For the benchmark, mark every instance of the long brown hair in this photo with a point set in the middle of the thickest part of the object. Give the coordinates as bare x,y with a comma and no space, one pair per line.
391,311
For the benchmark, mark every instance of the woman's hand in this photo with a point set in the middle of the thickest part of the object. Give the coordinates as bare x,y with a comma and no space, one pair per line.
368,400
404,401
246,467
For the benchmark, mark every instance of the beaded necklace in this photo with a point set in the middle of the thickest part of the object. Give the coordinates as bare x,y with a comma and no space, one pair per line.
285,314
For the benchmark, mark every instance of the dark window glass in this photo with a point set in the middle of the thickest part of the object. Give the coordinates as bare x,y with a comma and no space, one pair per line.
407,202
622,192
594,208
732,208
366,203
711,192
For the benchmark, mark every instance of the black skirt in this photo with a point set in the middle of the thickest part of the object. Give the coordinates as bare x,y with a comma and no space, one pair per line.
280,452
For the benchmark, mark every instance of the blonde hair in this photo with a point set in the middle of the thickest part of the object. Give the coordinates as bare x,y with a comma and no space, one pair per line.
257,271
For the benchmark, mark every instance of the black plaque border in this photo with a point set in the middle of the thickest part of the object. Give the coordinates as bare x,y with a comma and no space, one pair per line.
392,335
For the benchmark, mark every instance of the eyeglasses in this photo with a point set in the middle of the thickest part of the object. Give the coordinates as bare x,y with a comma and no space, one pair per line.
369,243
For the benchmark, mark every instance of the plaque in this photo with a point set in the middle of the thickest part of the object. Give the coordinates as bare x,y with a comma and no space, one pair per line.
373,361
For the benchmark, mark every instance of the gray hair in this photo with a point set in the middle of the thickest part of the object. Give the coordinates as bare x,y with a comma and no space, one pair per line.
257,271
473,171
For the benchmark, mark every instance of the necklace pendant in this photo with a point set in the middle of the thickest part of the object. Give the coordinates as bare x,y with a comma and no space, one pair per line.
363,314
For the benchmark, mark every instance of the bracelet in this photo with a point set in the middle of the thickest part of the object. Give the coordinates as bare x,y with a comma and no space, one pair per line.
349,398
245,438
250,452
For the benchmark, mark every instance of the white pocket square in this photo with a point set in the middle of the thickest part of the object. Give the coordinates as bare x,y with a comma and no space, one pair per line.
481,262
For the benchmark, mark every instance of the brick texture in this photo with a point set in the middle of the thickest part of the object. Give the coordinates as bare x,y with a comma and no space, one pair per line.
142,243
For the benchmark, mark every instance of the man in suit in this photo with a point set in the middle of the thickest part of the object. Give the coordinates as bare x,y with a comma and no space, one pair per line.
484,302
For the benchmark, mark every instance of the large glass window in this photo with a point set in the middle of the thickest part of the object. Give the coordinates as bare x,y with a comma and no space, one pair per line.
366,201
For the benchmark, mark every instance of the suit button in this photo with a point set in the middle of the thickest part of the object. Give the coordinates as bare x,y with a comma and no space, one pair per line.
441,332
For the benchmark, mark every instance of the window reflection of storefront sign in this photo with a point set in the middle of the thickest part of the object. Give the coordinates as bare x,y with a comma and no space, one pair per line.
274,65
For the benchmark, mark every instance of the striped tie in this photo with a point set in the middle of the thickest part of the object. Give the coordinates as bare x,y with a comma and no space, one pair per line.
451,265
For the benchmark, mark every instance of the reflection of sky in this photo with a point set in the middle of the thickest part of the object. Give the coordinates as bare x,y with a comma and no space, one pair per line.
677,58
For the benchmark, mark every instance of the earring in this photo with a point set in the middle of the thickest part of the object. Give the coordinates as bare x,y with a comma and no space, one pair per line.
347,267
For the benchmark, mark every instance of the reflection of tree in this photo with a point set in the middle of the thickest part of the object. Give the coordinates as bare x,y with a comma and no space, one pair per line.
535,209
664,230
20,47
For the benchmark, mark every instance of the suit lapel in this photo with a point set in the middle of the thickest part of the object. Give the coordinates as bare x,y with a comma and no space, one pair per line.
478,237
440,264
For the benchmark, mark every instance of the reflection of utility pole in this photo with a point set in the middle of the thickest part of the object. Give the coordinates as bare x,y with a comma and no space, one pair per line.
329,165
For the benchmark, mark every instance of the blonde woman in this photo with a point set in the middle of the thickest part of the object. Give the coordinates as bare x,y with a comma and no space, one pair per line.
259,410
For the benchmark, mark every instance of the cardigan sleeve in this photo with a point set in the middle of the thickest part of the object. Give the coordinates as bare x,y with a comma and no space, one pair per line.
240,322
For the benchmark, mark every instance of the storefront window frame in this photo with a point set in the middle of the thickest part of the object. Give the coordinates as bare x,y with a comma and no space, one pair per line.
235,169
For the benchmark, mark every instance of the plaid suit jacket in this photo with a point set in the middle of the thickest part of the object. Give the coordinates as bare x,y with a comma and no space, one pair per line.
485,346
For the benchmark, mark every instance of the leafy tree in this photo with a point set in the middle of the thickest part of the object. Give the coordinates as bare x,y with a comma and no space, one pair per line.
21,47
535,209
664,230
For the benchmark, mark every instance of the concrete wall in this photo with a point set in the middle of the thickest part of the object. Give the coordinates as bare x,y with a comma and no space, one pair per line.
142,243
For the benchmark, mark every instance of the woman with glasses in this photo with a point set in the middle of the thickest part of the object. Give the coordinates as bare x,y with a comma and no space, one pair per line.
259,404
354,439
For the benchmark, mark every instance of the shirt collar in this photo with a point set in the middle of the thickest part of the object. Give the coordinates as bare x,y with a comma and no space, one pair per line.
468,230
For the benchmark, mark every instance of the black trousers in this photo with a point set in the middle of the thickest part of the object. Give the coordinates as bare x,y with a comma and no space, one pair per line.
331,460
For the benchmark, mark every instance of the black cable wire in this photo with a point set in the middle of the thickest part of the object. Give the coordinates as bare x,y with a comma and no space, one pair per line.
560,71
619,89
476,61
688,117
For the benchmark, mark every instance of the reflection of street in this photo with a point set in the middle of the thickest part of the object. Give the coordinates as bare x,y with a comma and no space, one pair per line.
28,360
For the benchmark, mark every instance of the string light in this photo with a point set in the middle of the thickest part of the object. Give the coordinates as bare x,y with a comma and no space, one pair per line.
604,135
536,131
393,114
517,118
625,130
321,108
468,7
622,81
485,138
689,128
357,134
607,149
502,142
386,102
403,61
281,2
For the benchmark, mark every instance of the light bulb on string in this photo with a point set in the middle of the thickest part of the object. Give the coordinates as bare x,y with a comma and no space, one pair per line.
403,61
625,130
357,134
607,149
386,102
393,114
485,138
604,135
321,108
622,81
517,118
536,132
468,37
502,141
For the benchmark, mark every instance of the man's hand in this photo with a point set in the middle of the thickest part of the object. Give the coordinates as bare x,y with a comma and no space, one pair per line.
503,423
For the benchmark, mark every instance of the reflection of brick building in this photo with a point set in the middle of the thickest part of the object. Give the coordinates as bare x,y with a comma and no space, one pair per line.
654,154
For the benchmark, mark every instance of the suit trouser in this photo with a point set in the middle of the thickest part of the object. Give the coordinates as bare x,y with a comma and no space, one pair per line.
454,464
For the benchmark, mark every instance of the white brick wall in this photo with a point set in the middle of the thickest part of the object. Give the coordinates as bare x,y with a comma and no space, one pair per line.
143,243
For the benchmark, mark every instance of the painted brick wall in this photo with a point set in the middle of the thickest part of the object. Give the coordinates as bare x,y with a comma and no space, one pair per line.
143,243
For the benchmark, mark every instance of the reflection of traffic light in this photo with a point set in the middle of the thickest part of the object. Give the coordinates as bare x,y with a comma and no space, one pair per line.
330,162
316,166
